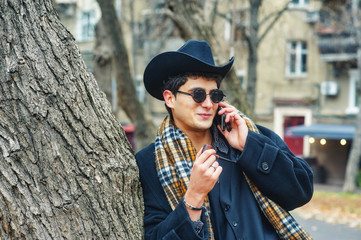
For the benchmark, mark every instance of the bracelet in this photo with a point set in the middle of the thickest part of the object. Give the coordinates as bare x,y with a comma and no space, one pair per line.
191,207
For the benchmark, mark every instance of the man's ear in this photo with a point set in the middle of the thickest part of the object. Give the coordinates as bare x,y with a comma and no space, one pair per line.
169,98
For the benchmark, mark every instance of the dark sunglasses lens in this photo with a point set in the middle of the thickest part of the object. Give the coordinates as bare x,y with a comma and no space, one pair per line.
217,96
199,95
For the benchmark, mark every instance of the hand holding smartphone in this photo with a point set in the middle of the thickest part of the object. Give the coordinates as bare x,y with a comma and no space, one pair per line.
206,147
221,121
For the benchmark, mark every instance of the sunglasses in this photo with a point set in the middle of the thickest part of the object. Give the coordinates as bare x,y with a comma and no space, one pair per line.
199,95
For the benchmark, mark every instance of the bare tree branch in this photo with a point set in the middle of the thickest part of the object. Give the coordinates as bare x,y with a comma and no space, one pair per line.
184,30
275,19
214,12
275,13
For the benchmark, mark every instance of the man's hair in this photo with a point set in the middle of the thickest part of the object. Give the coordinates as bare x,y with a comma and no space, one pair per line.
175,82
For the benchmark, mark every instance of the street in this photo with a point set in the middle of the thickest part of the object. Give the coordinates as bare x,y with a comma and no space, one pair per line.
320,230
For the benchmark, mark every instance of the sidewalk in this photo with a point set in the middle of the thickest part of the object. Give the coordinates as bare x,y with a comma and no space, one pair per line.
321,230
328,217
330,188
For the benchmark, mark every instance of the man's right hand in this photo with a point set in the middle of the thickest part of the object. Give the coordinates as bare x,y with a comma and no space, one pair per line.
204,176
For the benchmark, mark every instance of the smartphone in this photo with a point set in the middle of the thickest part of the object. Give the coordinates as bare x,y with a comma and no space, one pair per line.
220,120
206,147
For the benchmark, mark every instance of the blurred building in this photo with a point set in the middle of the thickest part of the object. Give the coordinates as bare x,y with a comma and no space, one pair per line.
307,69
307,75
80,18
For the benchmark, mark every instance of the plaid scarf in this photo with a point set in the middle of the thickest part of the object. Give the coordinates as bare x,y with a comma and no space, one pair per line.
175,154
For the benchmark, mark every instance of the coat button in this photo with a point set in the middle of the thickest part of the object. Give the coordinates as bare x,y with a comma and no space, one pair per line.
265,166
235,224
226,208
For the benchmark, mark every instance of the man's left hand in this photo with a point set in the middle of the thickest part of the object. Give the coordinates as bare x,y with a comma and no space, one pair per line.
239,132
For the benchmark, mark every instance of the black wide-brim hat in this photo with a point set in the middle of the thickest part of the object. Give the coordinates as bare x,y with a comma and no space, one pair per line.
193,57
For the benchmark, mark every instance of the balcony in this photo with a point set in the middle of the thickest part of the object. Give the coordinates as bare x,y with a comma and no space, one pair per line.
336,46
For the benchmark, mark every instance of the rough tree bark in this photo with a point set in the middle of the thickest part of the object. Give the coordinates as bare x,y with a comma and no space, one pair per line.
119,60
66,168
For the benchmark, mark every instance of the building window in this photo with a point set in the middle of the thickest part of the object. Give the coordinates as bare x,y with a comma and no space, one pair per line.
296,59
118,7
86,26
353,94
139,87
241,75
235,26
299,2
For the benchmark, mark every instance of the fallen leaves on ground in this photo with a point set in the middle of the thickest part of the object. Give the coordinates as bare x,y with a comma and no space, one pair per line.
341,208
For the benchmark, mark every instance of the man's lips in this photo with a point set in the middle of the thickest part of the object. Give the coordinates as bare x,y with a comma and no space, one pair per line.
205,115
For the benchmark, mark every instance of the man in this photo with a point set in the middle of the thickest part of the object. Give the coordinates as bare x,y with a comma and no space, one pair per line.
217,193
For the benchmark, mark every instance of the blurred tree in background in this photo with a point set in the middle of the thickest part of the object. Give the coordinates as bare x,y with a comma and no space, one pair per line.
111,53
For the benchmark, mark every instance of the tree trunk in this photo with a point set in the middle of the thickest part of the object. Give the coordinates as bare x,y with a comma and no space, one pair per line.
126,94
102,61
66,168
355,155
253,43
354,159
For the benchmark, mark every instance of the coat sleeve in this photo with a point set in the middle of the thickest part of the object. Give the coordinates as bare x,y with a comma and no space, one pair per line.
160,222
275,170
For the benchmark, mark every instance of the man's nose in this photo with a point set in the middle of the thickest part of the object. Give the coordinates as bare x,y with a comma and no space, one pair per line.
207,102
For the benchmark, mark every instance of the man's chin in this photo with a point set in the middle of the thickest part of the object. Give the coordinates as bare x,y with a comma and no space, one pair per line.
204,126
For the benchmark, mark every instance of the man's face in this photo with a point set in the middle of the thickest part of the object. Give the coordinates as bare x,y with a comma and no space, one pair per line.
189,115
